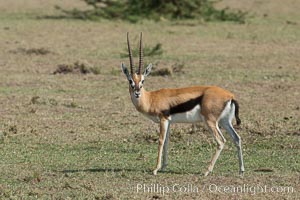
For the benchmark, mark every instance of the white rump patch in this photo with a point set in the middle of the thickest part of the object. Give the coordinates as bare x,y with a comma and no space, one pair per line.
228,113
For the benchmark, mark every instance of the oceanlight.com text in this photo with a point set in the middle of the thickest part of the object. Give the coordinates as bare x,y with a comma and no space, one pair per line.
248,189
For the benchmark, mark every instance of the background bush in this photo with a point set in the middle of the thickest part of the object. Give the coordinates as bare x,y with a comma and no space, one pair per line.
135,10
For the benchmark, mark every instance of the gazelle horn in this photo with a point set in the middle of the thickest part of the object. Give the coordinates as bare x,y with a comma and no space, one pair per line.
141,62
130,54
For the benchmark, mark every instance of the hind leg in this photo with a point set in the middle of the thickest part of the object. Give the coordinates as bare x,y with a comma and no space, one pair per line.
237,141
214,129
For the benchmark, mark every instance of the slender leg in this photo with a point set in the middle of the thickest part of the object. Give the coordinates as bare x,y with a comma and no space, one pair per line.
220,133
194,128
237,141
165,149
214,129
164,124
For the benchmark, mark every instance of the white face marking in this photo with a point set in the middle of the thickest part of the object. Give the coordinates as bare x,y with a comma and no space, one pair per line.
141,83
136,90
131,83
188,117
134,100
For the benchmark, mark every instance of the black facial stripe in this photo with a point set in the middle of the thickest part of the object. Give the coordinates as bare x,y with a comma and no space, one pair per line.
183,107
131,83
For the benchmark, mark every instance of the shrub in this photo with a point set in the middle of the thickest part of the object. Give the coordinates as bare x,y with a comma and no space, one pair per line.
135,10
148,51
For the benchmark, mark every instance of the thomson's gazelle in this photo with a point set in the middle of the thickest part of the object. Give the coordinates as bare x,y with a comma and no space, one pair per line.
213,105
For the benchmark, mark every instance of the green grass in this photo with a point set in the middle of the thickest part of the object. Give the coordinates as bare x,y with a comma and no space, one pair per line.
76,169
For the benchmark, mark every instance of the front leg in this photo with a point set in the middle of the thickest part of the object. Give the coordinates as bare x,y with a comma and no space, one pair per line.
165,149
164,126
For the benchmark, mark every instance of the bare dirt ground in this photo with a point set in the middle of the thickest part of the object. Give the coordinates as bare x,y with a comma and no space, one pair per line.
78,136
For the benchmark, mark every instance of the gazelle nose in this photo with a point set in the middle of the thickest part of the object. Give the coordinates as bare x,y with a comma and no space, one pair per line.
137,88
137,94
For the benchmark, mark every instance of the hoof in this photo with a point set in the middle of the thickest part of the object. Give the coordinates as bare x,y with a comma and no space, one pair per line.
206,173
242,173
155,172
164,168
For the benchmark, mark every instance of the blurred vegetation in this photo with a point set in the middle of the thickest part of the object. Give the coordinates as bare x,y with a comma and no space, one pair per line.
79,67
156,50
135,10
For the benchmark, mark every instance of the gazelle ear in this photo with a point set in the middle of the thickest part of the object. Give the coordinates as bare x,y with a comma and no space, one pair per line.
148,70
125,70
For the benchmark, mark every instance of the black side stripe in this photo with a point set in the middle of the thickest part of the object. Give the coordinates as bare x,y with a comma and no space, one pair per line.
183,107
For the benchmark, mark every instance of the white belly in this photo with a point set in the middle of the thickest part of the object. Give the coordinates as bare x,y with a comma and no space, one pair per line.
187,117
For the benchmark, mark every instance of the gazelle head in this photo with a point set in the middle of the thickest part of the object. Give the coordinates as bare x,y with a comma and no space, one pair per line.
136,79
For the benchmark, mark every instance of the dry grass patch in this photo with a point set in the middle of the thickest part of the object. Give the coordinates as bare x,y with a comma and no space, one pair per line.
79,67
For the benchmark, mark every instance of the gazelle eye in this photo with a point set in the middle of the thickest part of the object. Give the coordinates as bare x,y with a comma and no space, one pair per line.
131,83
141,83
